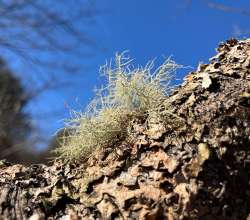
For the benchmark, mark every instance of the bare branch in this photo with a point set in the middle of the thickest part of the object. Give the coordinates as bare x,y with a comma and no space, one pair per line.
225,8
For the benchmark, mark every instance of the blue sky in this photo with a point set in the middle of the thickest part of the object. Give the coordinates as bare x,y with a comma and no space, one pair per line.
187,30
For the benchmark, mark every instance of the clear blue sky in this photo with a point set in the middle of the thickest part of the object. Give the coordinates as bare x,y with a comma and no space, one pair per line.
187,30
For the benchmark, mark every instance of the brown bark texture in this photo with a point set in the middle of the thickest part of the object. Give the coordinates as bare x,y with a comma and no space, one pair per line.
198,169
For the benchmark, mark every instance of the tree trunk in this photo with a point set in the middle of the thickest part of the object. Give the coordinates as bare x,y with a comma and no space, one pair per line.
197,170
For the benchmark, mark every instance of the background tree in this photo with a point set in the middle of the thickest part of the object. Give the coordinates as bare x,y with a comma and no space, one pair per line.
46,41
15,126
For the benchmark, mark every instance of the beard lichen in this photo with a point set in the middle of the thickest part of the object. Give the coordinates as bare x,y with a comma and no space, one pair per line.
131,93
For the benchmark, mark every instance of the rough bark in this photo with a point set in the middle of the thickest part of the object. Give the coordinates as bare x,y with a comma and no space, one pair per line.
196,170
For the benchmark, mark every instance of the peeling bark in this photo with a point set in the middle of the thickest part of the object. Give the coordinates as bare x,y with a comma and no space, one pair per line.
196,170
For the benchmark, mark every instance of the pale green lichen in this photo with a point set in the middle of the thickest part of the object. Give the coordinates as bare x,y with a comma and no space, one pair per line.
130,93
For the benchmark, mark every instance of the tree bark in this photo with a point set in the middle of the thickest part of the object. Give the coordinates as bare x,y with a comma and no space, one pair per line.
199,169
